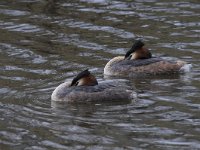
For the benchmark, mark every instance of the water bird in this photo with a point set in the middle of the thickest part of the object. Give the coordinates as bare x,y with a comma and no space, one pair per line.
85,88
139,61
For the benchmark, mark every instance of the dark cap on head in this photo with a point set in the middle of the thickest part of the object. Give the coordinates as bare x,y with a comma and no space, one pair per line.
82,74
137,45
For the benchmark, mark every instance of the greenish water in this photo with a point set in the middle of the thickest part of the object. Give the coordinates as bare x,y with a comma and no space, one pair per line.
43,43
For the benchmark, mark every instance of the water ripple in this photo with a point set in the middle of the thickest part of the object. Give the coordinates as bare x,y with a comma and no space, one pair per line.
44,43
12,12
13,51
89,26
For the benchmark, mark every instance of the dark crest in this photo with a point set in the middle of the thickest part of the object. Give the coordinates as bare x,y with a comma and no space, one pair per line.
82,74
137,45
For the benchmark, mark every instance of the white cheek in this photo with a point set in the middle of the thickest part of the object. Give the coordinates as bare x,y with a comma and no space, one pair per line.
133,56
80,82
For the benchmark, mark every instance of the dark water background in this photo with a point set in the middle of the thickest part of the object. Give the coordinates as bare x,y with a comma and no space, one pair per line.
45,42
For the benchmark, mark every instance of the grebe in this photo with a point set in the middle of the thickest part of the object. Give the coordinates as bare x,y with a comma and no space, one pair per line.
139,61
85,88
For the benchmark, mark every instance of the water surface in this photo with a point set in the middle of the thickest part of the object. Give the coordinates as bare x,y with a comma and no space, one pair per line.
43,43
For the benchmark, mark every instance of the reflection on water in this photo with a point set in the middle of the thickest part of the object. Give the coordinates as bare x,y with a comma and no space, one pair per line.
43,43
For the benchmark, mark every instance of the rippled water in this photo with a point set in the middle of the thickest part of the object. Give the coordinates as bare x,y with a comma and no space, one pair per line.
43,43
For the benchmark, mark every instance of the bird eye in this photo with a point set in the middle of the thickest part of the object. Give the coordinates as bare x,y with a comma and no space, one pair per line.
76,83
129,57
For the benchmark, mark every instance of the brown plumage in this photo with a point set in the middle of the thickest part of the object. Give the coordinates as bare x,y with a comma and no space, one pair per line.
142,53
138,51
84,78
84,88
139,61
